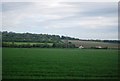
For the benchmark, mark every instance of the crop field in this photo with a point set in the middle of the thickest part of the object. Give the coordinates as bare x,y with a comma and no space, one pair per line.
88,44
49,63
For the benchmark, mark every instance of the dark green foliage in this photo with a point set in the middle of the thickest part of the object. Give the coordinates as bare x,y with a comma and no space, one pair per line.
63,45
68,38
112,41
29,37
37,45
27,45
106,41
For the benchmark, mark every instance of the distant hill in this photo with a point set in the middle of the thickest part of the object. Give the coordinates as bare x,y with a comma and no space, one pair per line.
43,40
30,37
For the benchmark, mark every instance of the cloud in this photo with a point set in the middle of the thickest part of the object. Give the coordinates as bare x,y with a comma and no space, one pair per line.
63,18
61,0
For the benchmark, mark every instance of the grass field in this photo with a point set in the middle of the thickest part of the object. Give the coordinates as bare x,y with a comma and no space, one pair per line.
38,63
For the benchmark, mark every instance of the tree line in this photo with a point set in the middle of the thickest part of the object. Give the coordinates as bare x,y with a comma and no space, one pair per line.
37,45
30,37
106,41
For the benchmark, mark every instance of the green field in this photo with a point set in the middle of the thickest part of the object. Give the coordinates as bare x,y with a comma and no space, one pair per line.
45,63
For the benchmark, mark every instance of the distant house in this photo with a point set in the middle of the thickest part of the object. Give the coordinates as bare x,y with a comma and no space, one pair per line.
81,47
98,47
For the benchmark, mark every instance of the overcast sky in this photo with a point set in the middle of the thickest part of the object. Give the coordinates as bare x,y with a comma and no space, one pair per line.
84,20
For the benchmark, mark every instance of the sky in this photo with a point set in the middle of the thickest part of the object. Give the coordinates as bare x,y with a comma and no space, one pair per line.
84,20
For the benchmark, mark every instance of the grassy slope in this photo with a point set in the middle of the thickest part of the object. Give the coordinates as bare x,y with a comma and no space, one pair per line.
35,63
88,44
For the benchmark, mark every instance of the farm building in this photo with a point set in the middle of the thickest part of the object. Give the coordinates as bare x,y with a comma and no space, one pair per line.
98,47
81,47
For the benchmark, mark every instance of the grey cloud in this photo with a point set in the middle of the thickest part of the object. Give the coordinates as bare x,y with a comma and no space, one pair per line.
96,9
73,19
9,6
